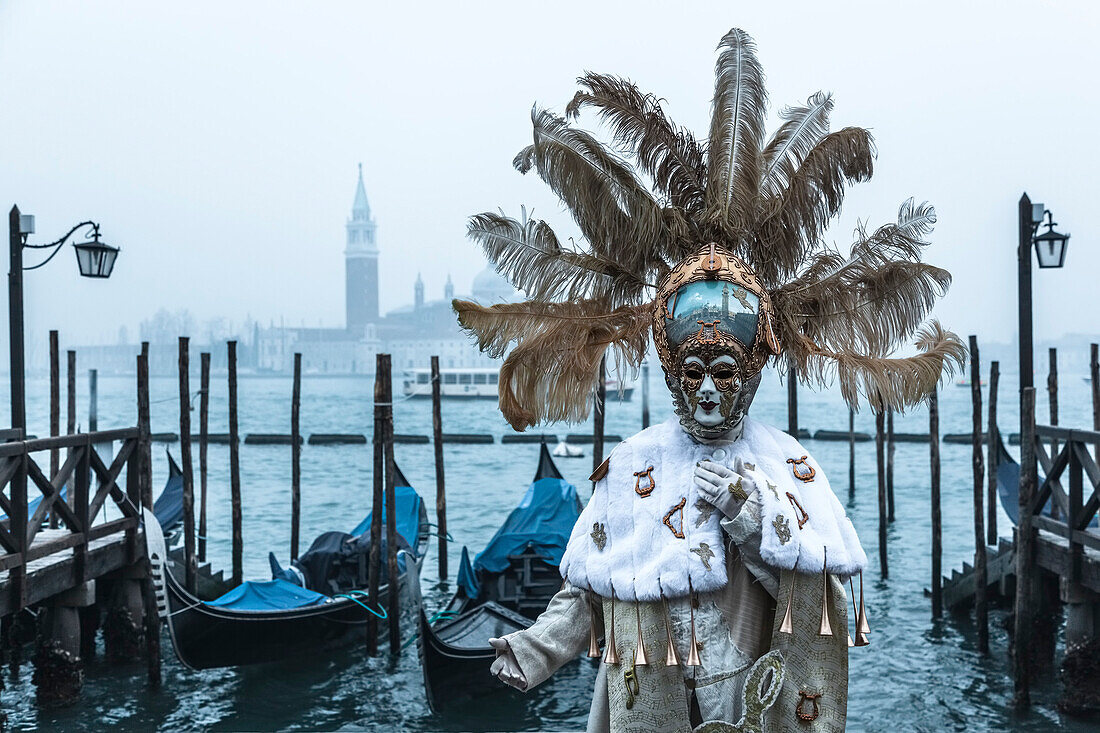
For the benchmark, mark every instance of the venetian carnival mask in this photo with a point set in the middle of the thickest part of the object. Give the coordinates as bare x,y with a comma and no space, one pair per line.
712,329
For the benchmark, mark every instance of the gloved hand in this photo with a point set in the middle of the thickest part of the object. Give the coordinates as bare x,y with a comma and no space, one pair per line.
726,489
505,667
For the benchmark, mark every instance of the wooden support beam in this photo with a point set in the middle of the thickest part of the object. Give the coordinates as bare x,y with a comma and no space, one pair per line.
1026,580
235,467
645,394
993,433
190,565
792,400
145,477
937,518
880,429
393,609
295,457
55,409
374,570
851,453
600,403
1094,380
440,488
981,607
890,463
204,441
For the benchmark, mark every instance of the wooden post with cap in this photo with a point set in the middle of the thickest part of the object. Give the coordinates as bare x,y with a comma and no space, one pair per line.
981,608
598,415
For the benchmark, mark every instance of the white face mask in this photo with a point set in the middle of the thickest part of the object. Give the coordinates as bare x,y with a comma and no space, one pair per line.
710,389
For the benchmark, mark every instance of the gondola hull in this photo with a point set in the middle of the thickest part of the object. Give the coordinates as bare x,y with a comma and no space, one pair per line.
456,658
206,637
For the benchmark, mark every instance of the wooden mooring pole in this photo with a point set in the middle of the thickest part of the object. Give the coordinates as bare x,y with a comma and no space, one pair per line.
55,411
880,429
1094,378
981,608
190,566
70,404
374,569
851,452
792,400
645,394
149,601
1026,581
204,440
1052,404
393,606
993,455
235,467
937,518
93,400
598,415
890,464
295,457
440,489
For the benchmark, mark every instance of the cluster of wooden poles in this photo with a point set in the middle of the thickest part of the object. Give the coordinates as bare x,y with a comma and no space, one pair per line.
984,470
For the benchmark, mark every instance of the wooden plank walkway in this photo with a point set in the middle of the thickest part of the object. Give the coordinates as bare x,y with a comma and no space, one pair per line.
55,573
1051,554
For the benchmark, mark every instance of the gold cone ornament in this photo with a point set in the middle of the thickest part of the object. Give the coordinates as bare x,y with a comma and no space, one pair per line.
787,625
693,651
826,628
611,656
672,659
593,640
641,659
862,629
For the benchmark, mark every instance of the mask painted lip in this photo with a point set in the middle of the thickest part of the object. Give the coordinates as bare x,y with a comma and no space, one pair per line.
707,405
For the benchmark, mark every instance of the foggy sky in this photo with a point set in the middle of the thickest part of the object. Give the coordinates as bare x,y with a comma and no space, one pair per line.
217,142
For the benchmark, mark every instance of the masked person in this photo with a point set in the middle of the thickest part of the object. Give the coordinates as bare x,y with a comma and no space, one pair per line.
712,555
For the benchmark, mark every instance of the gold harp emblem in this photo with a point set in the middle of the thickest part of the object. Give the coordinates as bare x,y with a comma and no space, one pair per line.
807,715
807,475
644,491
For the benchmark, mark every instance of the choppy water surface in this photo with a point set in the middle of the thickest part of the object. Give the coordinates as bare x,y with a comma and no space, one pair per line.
916,675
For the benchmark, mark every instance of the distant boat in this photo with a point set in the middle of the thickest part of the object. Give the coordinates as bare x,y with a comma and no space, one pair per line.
505,589
564,450
966,383
479,383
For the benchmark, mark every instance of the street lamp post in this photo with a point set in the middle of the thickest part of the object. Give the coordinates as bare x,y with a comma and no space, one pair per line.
94,259
1050,248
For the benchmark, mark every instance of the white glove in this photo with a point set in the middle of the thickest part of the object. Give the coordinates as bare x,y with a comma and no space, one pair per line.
727,490
505,667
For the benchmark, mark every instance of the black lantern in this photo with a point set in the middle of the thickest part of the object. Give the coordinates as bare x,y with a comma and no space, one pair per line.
1050,246
95,258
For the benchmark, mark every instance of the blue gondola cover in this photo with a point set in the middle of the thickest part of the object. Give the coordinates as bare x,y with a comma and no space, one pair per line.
543,521
408,515
268,595
168,507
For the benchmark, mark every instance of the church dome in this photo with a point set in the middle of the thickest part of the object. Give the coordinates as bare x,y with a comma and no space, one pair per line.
490,287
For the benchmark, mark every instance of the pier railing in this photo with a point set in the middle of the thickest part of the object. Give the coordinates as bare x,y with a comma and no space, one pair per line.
1072,484
92,484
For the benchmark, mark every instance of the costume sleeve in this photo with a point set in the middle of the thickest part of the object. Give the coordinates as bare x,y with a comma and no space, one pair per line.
744,530
559,635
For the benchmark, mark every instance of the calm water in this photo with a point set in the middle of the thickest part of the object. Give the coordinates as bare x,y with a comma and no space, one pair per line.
916,675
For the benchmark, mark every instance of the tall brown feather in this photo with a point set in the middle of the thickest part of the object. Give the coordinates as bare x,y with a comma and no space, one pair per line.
736,134
552,369
666,152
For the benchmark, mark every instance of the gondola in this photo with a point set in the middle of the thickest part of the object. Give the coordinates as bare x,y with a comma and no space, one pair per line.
505,588
168,507
268,621
1008,485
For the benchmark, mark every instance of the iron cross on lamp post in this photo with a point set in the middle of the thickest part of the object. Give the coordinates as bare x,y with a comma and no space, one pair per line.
94,258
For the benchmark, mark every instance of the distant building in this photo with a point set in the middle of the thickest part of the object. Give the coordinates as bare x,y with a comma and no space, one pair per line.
411,333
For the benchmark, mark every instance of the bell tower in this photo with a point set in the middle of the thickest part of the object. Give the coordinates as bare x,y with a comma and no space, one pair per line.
361,263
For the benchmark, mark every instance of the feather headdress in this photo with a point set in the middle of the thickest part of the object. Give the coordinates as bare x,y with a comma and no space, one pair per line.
655,195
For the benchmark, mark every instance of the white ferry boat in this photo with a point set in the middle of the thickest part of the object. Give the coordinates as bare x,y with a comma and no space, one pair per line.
476,383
